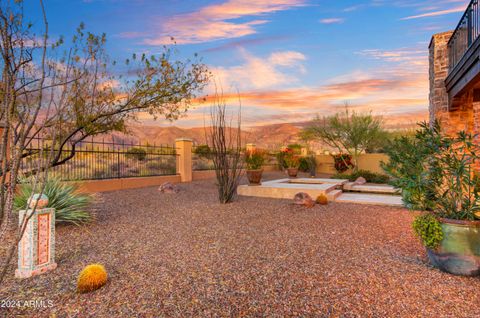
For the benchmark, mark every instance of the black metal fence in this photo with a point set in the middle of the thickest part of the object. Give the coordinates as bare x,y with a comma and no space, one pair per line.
467,31
94,160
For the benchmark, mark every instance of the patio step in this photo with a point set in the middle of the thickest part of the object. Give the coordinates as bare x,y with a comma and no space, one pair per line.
333,195
373,199
370,188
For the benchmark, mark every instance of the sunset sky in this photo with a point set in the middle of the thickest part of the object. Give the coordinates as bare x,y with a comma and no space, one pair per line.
289,59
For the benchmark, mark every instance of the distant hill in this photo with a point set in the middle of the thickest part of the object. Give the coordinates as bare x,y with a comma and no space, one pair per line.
267,136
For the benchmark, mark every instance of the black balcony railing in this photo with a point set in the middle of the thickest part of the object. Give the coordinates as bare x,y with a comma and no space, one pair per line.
467,31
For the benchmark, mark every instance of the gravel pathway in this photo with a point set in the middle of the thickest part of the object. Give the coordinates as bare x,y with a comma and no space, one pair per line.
185,255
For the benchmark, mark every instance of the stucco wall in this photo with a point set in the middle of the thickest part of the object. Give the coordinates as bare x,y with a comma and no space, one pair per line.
370,162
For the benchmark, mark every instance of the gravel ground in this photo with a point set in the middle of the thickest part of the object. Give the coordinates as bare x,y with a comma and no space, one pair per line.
186,255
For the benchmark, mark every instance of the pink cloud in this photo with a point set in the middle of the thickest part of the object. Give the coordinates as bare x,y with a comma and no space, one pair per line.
214,22
332,21
436,13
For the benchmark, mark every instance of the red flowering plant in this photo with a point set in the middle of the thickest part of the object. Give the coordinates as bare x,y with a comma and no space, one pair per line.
343,162
291,159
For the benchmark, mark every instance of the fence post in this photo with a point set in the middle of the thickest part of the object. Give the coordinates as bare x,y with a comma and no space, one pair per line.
250,147
184,158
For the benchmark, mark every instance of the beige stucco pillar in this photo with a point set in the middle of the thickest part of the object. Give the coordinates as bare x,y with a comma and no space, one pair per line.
250,147
184,158
304,151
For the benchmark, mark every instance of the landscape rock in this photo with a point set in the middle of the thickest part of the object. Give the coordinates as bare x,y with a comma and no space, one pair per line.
304,199
360,180
168,187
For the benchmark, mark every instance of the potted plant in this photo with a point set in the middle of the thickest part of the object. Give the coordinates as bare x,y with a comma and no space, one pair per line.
437,174
292,161
254,159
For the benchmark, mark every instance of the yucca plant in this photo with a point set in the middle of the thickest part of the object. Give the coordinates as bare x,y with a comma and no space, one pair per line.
71,205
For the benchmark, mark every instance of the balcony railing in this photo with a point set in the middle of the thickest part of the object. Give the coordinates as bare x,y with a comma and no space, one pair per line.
467,31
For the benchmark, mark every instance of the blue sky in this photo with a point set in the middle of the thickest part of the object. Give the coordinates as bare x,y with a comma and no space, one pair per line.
289,59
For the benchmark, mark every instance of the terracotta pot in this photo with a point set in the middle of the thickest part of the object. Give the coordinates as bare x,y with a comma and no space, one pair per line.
292,172
459,251
254,176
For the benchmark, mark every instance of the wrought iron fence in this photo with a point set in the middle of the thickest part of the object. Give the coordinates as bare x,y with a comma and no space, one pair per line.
202,158
467,31
95,160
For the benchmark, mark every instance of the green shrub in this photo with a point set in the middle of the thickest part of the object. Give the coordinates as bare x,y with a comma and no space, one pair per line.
303,166
371,177
70,205
428,229
281,160
139,154
203,151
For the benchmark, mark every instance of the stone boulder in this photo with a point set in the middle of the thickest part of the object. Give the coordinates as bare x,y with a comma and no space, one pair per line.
168,187
304,199
360,181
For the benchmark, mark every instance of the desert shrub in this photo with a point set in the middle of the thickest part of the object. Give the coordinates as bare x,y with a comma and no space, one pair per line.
203,151
91,278
137,153
303,164
296,148
343,162
202,164
162,166
71,206
428,229
370,176
254,159
280,156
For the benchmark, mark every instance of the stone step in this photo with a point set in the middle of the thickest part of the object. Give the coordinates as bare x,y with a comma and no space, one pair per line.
373,199
333,195
370,188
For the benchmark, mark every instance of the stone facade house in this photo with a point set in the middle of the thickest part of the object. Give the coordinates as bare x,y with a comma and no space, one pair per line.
454,60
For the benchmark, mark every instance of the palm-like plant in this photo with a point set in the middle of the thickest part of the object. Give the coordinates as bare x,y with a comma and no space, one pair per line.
71,206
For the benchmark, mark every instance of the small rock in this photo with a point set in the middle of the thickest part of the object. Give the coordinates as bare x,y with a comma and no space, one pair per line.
304,199
360,180
168,187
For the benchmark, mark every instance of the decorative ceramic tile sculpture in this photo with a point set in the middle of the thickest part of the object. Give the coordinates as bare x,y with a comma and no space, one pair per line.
36,250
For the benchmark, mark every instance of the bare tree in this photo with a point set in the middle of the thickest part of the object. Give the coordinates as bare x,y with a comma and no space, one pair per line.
226,142
68,92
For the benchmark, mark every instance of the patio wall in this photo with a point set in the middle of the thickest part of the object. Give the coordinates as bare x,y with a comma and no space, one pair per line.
125,183
370,162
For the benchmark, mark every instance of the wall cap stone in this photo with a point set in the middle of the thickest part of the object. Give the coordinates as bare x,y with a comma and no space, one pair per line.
184,139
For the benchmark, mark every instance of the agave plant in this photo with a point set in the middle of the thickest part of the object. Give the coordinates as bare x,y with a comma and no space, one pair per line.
71,205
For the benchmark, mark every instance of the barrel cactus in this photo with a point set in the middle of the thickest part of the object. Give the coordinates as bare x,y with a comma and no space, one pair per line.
322,199
92,278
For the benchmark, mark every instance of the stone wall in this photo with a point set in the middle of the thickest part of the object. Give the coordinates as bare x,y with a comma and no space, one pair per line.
464,115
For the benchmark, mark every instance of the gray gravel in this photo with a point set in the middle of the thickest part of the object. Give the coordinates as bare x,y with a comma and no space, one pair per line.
186,255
